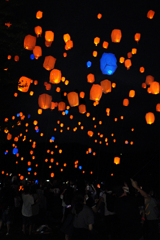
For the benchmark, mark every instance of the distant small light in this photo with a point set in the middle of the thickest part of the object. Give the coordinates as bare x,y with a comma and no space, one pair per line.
52,138
29,115
37,130
32,56
36,181
80,167
29,169
66,112
15,151
89,64
6,152
18,114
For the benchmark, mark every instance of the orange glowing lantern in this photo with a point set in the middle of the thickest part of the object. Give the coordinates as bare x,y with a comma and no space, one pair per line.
9,136
38,31
121,60
64,54
90,78
149,79
9,57
16,58
24,84
154,87
150,118
150,14
61,106
128,63
48,86
106,86
90,133
37,51
52,174
39,14
158,107
144,85
116,160
95,53
82,94
134,50
49,62
69,45
142,69
29,42
82,108
66,37
73,99
137,37
125,102
95,92
96,41
129,54
99,15
55,76
47,43
39,111
44,101
105,44
116,35
35,82
132,93
49,36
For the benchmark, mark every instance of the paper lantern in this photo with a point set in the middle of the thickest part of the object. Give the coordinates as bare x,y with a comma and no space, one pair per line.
61,106
82,108
105,44
82,94
90,133
99,15
16,58
137,37
154,87
55,76
144,85
134,50
64,54
106,86
48,44
73,99
39,14
24,84
131,93
158,107
48,86
49,36
69,45
37,51
129,54
108,63
53,105
150,118
150,14
125,102
44,101
9,57
66,37
38,31
128,63
116,35
29,42
52,174
96,40
95,92
149,79
9,136
49,62
121,59
142,69
90,78
95,53
116,160
149,90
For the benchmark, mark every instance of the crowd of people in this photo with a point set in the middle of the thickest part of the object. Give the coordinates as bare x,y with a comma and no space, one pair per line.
80,209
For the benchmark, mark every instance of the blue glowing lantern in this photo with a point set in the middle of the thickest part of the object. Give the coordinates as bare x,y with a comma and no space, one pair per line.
66,112
89,64
80,167
52,138
29,169
37,130
18,114
29,115
15,151
108,63
32,56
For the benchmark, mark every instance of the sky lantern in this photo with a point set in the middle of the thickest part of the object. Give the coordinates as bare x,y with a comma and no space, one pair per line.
49,36
125,102
73,99
141,69
82,108
44,101
29,42
53,105
149,90
116,35
116,160
96,41
132,93
95,53
108,111
137,37
128,63
105,44
9,57
121,59
82,94
69,45
129,54
48,86
16,58
99,15
149,79
48,44
24,84
150,118
66,37
106,86
108,63
55,76
150,14
39,14
90,78
158,107
134,50
49,62
9,136
61,106
37,51
144,85
154,87
95,92
38,31
90,133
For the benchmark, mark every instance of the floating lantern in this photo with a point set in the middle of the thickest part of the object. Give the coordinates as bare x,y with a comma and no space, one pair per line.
38,31
66,37
150,118
105,44
121,60
37,51
73,99
125,102
137,37
39,14
132,93
82,108
128,63
134,50
142,69
95,92
44,101
96,41
106,86
61,106
90,78
24,84
149,79
29,42
116,160
158,107
55,76
82,94
108,63
116,35
49,62
49,36
99,15
154,87
90,133
16,58
69,45
150,14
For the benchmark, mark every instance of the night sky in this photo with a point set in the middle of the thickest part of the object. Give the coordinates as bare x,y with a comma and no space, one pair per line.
79,19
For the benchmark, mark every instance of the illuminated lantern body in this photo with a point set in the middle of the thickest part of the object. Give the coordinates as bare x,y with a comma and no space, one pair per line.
149,79
131,93
61,106
99,15
142,69
137,37
37,51
44,101
69,45
82,94
150,118
154,87
129,54
16,58
125,102
116,35
116,160
158,107
82,108
96,40
39,14
150,14
55,76
29,42
48,86
108,63
90,78
48,44
90,133
95,53
24,84
144,85
9,136
95,92
38,31
66,37
49,36
73,99
105,44
106,86
128,63
121,60
53,105
49,62
134,50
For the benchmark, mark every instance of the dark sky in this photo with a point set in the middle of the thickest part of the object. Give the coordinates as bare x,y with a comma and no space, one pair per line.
79,19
